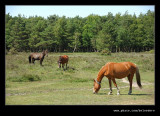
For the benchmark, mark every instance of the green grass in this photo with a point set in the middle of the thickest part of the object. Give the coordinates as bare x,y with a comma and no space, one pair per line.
29,84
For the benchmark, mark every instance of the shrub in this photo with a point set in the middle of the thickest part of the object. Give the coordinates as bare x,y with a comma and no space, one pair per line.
13,51
25,78
30,77
105,52
151,51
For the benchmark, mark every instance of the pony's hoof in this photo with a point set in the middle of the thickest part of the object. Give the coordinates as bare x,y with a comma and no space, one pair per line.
118,93
110,93
129,93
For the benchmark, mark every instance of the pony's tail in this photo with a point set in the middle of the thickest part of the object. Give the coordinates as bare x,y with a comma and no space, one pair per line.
29,59
138,78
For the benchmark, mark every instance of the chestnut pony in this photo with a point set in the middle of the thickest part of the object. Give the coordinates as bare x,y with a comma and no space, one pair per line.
63,60
38,56
114,71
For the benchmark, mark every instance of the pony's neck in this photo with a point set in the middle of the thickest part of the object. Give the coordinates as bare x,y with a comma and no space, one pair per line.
100,74
43,53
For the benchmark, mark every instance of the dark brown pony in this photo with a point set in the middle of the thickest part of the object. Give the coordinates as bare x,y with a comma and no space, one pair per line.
63,60
117,70
38,56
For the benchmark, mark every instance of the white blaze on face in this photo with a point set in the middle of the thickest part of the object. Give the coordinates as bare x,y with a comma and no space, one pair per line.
93,90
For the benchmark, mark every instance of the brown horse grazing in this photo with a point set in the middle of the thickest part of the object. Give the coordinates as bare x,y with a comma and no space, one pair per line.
62,60
38,56
117,70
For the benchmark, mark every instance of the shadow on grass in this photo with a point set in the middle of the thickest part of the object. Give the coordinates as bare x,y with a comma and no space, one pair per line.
125,94
137,94
102,94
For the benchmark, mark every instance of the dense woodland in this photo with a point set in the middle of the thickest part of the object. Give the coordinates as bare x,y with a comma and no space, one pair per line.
94,33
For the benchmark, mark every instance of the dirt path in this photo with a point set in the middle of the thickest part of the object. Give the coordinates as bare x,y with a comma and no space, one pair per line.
134,84
124,80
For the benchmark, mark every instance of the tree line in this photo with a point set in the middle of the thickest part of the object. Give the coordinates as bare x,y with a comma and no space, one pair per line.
94,33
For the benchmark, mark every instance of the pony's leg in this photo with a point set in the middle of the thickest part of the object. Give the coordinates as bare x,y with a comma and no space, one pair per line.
41,62
59,65
33,60
63,66
66,66
114,82
130,78
110,86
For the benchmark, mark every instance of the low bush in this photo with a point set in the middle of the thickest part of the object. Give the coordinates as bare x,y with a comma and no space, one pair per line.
13,51
151,51
105,52
25,78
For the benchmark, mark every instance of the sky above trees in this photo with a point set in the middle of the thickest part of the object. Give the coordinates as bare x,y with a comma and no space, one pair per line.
74,10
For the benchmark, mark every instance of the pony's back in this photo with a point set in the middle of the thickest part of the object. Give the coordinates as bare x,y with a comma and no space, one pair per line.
64,59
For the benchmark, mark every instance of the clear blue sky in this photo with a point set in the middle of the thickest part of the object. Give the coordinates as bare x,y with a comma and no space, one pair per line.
74,10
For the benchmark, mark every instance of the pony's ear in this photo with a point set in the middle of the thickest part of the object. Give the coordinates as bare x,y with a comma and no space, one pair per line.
94,80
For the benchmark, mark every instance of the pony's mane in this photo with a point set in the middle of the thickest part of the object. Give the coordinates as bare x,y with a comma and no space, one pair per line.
100,71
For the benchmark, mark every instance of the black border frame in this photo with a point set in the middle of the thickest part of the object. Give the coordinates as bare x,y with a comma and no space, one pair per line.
96,109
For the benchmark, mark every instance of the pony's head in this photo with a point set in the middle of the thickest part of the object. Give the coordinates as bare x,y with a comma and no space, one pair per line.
46,53
96,86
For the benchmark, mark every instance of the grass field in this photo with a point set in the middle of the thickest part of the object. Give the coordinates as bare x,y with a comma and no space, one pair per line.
29,84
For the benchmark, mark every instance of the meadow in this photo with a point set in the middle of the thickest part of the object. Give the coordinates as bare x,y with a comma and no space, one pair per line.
32,84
